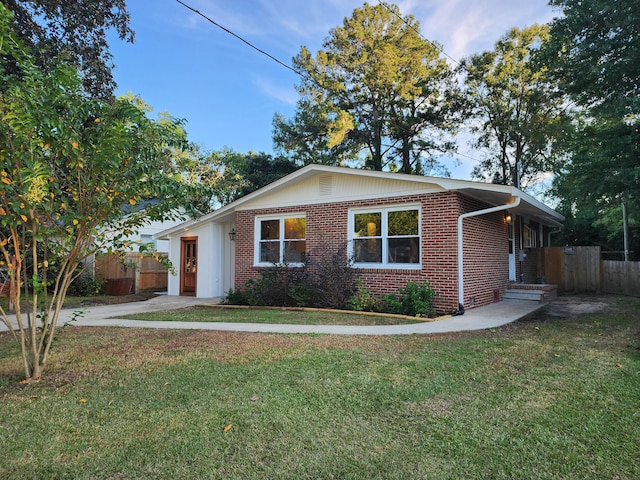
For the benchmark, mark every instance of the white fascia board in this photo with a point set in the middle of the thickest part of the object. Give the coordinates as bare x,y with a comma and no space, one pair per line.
447,184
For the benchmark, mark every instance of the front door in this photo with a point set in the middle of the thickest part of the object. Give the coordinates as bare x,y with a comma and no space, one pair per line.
188,266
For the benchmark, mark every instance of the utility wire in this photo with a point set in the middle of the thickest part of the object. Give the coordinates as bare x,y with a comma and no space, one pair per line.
302,74
240,38
404,20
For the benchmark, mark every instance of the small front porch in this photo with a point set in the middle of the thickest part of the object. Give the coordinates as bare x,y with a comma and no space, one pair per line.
534,292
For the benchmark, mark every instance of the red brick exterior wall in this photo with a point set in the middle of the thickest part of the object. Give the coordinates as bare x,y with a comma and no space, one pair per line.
486,249
486,255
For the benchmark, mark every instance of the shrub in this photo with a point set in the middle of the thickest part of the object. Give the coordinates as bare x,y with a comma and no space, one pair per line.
280,286
327,280
363,300
333,279
413,300
236,297
86,285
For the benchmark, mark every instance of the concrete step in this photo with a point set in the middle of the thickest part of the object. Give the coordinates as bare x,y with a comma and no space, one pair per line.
517,294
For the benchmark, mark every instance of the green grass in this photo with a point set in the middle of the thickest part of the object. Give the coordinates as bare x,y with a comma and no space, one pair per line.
543,398
270,315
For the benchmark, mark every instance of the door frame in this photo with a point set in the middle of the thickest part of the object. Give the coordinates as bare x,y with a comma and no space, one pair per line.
184,241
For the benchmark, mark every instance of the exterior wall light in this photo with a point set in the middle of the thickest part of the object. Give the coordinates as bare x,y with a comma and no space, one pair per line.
232,235
507,218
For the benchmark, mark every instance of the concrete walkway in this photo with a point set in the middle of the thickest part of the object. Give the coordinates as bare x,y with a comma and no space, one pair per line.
490,316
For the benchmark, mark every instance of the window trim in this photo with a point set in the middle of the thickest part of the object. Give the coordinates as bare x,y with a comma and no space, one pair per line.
529,236
384,226
257,240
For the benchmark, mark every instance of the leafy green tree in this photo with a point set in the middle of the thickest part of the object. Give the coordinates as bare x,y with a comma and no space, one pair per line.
73,173
602,173
262,170
75,30
315,134
517,112
201,176
378,90
593,53
242,174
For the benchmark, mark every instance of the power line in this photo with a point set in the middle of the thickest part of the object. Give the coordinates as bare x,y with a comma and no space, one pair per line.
404,20
241,38
304,75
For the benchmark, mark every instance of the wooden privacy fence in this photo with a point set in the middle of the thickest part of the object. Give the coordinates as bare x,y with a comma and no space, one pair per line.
621,277
579,269
136,274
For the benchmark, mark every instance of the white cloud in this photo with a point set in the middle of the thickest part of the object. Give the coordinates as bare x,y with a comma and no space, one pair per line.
465,27
284,94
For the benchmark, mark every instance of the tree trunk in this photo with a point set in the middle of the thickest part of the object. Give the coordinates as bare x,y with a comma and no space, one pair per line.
406,156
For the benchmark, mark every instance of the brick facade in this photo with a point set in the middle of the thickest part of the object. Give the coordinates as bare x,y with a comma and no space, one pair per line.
486,255
485,244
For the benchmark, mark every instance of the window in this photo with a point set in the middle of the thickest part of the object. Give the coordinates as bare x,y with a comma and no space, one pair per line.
529,235
147,239
388,236
281,240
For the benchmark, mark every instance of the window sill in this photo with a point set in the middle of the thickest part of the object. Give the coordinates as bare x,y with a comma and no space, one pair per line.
388,267
277,265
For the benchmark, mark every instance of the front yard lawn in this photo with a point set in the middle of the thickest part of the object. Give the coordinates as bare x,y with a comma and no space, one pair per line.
542,398
271,315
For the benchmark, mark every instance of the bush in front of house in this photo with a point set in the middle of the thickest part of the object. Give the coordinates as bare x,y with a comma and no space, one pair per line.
326,280
279,286
236,296
416,299
333,278
364,300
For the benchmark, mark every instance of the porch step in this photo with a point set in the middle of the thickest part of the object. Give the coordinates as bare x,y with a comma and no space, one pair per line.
518,294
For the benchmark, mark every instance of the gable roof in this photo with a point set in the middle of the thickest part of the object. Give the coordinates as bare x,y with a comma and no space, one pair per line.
368,184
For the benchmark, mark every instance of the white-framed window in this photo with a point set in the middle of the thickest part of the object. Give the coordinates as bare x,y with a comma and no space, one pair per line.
281,239
147,239
529,237
386,236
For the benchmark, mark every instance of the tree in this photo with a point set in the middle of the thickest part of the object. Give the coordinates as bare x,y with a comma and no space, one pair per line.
376,88
594,50
73,172
518,112
315,134
76,31
241,174
202,175
593,54
599,182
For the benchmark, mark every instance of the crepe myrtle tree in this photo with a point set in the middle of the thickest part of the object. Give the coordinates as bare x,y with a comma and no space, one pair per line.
68,165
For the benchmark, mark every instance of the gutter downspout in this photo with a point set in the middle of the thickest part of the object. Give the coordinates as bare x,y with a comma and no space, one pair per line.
499,208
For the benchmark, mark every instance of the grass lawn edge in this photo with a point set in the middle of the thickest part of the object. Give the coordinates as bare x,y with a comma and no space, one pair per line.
329,310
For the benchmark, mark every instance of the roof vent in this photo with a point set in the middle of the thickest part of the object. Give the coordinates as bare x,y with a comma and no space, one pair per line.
325,183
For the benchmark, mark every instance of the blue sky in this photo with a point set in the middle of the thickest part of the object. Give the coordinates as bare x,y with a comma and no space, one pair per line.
228,93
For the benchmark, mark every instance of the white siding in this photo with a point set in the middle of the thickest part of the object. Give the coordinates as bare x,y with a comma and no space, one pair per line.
215,273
